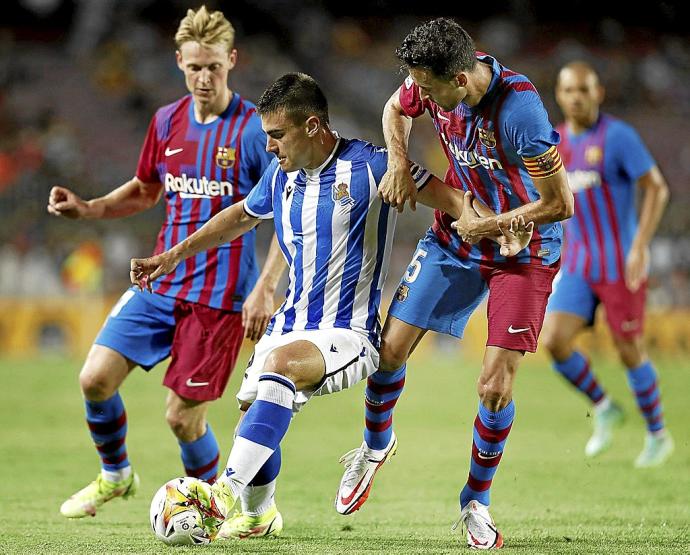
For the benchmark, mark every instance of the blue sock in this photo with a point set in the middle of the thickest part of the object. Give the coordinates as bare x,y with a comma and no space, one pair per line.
643,382
577,371
261,430
200,457
381,394
490,434
107,421
269,471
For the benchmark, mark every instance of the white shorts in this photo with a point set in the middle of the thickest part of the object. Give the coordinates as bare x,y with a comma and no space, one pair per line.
349,356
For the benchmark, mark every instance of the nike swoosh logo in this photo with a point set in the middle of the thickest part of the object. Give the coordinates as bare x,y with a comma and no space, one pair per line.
439,116
511,329
349,498
191,383
475,540
170,151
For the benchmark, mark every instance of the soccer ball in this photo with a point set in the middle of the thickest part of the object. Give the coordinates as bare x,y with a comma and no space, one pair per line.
180,519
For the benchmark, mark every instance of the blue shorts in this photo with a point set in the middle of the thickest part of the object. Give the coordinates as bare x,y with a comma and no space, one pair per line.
141,327
438,292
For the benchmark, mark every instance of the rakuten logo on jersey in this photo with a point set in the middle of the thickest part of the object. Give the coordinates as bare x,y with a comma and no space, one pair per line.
581,180
469,158
191,187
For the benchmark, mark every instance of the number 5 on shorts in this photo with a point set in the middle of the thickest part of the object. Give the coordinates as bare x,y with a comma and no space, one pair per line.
415,266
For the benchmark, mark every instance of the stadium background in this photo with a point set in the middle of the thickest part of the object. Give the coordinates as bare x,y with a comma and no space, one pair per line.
79,81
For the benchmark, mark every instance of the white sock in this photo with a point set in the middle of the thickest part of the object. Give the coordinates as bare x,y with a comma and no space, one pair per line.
116,475
603,405
256,500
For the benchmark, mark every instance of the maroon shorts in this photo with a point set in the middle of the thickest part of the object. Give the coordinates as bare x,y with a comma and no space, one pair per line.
518,294
204,350
624,308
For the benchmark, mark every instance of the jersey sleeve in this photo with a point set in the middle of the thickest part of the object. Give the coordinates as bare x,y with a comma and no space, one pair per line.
378,162
527,125
410,100
147,170
627,152
259,202
254,149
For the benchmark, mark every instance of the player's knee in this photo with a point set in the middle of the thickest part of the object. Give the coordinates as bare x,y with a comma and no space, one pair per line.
184,424
555,343
390,358
95,384
278,362
285,363
631,352
495,385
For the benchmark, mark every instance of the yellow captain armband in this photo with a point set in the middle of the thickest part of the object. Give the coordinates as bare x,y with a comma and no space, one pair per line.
544,165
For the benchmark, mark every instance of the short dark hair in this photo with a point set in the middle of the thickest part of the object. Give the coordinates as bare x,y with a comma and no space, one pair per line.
439,45
298,95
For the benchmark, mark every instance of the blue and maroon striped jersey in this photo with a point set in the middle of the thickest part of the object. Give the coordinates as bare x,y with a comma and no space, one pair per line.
603,163
204,169
488,147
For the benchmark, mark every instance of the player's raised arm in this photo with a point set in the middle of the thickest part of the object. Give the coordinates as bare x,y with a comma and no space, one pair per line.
397,186
224,227
132,197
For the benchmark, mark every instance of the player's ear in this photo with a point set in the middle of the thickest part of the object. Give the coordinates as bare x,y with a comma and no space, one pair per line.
312,125
178,58
232,58
601,94
460,80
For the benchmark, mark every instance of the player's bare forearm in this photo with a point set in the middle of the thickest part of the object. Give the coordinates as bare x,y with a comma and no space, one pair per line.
396,131
273,267
654,203
130,198
224,227
556,203
436,194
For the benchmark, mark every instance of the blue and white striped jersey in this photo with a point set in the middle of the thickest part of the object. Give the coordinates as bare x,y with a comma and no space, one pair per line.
336,235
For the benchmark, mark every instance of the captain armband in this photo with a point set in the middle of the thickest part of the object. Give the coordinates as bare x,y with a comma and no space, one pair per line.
544,165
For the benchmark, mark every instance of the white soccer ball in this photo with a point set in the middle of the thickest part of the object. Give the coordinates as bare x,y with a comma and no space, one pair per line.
175,518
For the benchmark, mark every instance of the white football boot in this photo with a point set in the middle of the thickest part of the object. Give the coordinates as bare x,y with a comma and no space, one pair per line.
605,420
361,465
657,448
481,530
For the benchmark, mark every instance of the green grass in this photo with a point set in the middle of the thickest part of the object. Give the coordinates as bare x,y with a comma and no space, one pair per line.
546,497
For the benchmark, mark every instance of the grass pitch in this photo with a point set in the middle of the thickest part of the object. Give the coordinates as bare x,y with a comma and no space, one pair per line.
546,498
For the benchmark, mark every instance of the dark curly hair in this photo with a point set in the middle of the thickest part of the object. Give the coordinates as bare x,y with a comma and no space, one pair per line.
298,94
439,45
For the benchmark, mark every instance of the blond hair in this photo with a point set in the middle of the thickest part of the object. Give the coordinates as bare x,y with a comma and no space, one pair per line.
206,28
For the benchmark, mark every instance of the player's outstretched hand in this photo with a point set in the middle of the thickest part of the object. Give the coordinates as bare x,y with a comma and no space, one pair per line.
144,271
516,237
397,187
257,311
63,202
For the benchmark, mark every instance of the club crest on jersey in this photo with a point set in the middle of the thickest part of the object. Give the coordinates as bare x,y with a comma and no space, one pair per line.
225,157
486,136
593,155
402,292
341,194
